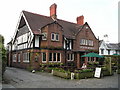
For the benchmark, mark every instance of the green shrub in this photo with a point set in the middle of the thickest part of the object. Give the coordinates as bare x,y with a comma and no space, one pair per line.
51,64
3,57
84,70
61,73
84,75
103,68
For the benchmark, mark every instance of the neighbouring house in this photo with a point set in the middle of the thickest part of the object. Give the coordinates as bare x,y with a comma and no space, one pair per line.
43,39
108,48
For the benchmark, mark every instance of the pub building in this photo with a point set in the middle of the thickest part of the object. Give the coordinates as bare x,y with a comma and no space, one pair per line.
47,39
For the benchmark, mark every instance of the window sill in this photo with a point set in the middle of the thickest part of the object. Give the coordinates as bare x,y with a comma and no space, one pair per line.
26,61
70,60
43,61
55,40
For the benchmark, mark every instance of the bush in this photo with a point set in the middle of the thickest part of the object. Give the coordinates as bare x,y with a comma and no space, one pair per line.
84,73
83,70
92,64
51,64
61,73
2,54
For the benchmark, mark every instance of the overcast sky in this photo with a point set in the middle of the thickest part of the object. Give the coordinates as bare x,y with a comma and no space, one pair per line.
101,15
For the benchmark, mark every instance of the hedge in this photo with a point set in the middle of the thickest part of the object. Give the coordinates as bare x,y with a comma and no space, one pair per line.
65,75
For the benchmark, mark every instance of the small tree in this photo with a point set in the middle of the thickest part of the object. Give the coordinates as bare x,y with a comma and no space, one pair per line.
2,55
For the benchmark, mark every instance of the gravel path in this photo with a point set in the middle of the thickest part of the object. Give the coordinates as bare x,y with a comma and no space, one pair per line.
20,78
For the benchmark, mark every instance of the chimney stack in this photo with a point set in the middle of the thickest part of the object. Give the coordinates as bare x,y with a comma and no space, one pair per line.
80,20
53,11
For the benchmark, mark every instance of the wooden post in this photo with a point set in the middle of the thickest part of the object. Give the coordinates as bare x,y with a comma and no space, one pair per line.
78,60
86,61
110,66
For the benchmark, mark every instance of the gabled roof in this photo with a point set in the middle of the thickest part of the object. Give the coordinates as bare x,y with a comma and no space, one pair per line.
100,42
36,22
112,46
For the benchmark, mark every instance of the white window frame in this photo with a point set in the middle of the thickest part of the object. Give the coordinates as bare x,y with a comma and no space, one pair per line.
24,57
56,57
52,57
45,57
53,39
70,57
44,37
19,57
14,57
56,37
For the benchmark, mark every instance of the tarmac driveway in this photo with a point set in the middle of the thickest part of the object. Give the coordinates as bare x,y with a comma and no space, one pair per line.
20,78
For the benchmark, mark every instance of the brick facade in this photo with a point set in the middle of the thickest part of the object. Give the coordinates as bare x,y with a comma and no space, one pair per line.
82,40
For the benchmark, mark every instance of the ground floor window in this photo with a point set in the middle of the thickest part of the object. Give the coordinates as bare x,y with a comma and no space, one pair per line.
91,59
54,57
70,57
43,57
14,57
26,57
58,56
19,57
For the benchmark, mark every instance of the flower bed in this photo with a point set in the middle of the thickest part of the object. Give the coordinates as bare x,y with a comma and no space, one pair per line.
61,73
85,73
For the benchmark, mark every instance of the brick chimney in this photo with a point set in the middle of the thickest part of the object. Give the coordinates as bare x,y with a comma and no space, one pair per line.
53,11
80,20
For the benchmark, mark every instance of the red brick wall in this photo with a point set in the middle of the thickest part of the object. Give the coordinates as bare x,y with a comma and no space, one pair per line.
52,28
85,34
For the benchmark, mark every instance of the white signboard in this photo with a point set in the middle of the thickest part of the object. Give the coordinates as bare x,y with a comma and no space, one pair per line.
97,72
72,76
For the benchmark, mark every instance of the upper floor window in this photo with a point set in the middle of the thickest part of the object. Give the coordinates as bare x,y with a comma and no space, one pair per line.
44,37
82,42
68,44
90,43
86,42
54,36
57,37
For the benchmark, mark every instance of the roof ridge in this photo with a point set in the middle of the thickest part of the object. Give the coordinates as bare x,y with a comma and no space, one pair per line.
67,21
50,17
36,14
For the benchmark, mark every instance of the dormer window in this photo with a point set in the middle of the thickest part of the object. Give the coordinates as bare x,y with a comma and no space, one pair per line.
44,37
57,37
54,36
